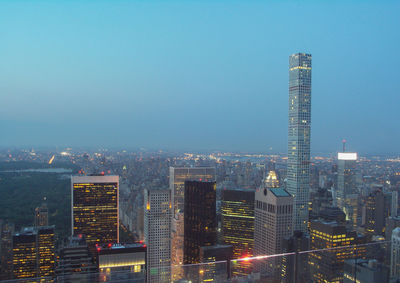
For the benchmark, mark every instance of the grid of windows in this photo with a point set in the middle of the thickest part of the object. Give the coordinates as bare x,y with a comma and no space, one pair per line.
298,170
95,209
157,233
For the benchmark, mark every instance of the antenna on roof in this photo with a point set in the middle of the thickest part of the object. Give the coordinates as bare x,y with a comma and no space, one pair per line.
344,145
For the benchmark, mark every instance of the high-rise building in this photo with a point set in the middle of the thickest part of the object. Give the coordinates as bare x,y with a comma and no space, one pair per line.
6,247
177,178
46,250
273,223
376,210
25,254
157,234
41,215
95,208
76,262
395,258
346,192
298,164
295,268
219,271
200,219
34,252
237,212
336,244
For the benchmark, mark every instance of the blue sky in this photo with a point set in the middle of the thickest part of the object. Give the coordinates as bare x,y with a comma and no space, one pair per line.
197,74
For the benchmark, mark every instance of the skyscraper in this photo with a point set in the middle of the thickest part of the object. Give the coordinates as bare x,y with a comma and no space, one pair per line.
237,211
34,252
76,263
46,250
95,208
336,244
177,178
157,234
273,223
298,166
347,195
200,219
25,254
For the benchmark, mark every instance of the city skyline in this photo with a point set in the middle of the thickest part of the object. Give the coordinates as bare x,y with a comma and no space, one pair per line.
151,82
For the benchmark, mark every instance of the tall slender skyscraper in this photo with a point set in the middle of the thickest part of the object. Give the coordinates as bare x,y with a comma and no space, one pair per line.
298,166
157,234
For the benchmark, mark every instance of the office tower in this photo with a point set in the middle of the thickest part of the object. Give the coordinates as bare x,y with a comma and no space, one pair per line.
346,192
376,210
177,178
41,216
46,250
76,263
237,212
95,208
295,268
6,254
395,257
273,223
365,271
327,265
215,272
25,254
200,220
157,234
298,164
119,262
271,181
34,252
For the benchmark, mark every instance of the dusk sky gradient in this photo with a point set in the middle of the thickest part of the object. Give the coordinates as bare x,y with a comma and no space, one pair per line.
197,74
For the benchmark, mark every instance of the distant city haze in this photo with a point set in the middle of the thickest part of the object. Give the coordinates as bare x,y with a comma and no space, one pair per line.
197,74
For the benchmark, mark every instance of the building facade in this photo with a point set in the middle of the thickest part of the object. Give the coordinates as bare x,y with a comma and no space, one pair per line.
177,178
200,219
337,245
347,193
395,257
95,208
157,234
299,134
34,252
122,262
237,211
273,222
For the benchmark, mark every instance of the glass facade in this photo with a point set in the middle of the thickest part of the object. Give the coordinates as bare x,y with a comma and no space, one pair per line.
237,211
298,166
200,219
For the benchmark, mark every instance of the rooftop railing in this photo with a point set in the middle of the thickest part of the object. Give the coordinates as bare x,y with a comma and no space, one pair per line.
350,263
